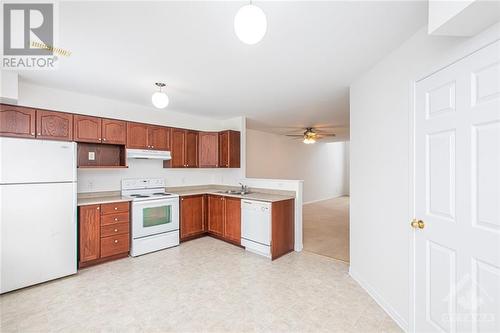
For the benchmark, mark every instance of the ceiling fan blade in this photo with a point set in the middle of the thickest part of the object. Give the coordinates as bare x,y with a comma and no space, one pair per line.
295,135
325,135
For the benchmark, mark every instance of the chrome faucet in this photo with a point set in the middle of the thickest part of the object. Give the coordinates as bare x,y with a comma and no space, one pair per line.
244,188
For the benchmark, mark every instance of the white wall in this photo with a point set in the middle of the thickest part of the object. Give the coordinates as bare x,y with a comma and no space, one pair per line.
109,180
321,166
381,200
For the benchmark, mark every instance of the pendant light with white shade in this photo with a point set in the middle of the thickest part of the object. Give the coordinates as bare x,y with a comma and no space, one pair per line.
250,24
159,98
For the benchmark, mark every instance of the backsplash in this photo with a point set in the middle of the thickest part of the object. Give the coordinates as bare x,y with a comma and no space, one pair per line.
90,180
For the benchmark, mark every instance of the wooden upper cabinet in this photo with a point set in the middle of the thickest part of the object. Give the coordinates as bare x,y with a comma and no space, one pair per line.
159,137
191,147
232,219
192,216
229,149
143,136
208,150
90,227
17,121
178,139
216,215
114,131
137,135
86,128
54,125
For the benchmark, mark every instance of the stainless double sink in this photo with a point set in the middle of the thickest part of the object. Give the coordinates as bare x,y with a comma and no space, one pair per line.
236,192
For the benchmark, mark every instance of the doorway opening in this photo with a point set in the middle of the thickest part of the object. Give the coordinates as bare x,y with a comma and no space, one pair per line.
326,221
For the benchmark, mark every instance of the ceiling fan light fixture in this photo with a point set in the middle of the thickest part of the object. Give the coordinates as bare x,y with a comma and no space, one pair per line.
309,140
250,24
159,98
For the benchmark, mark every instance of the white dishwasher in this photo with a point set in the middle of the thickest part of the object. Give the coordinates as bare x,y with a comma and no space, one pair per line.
256,226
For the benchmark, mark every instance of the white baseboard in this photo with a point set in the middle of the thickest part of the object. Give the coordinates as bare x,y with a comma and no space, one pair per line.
379,299
323,199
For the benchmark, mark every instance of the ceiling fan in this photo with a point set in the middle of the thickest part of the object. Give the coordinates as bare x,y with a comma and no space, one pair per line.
311,134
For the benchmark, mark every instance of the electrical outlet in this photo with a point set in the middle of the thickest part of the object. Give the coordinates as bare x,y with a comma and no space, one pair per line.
91,156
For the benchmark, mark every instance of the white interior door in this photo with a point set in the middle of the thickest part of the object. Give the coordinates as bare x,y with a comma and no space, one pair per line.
457,195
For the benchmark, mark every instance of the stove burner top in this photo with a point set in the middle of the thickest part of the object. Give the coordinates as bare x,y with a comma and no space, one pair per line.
162,194
139,196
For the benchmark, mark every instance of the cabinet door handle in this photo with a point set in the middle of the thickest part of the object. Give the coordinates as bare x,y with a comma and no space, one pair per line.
152,146
116,208
116,230
33,133
116,219
116,241
103,139
98,207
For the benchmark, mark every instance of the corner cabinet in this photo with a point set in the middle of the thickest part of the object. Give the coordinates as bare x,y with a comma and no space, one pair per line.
104,233
192,216
229,149
208,150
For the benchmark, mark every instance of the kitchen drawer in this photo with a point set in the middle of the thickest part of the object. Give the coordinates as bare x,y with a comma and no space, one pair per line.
116,207
115,218
114,245
114,229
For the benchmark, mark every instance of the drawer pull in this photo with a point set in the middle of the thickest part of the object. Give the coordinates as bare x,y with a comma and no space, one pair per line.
116,208
116,219
116,241
116,230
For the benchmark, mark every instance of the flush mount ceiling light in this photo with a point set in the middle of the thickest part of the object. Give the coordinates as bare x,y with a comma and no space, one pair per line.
250,24
159,98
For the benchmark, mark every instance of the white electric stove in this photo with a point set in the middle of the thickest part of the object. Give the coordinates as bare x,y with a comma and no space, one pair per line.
155,215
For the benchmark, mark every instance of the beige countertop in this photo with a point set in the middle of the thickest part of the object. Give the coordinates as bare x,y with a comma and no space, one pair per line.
256,193
96,198
259,194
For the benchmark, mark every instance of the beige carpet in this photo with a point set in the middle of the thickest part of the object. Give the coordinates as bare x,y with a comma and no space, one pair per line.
326,228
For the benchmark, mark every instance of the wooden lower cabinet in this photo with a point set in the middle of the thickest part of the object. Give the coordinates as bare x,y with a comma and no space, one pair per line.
215,215
90,236
192,216
104,232
224,218
232,220
282,228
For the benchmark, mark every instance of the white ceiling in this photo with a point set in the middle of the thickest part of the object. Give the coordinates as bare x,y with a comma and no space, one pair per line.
298,75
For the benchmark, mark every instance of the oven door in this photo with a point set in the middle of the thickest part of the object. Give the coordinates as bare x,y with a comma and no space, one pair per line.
154,217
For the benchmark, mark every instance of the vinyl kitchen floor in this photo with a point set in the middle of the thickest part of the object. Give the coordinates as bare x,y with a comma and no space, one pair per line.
204,285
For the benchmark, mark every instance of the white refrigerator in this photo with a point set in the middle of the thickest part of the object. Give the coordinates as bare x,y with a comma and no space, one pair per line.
38,231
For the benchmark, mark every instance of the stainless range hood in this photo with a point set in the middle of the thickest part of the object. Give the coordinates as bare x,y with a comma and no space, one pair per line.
149,154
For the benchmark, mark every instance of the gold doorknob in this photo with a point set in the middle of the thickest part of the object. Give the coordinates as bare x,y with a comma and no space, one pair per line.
417,224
